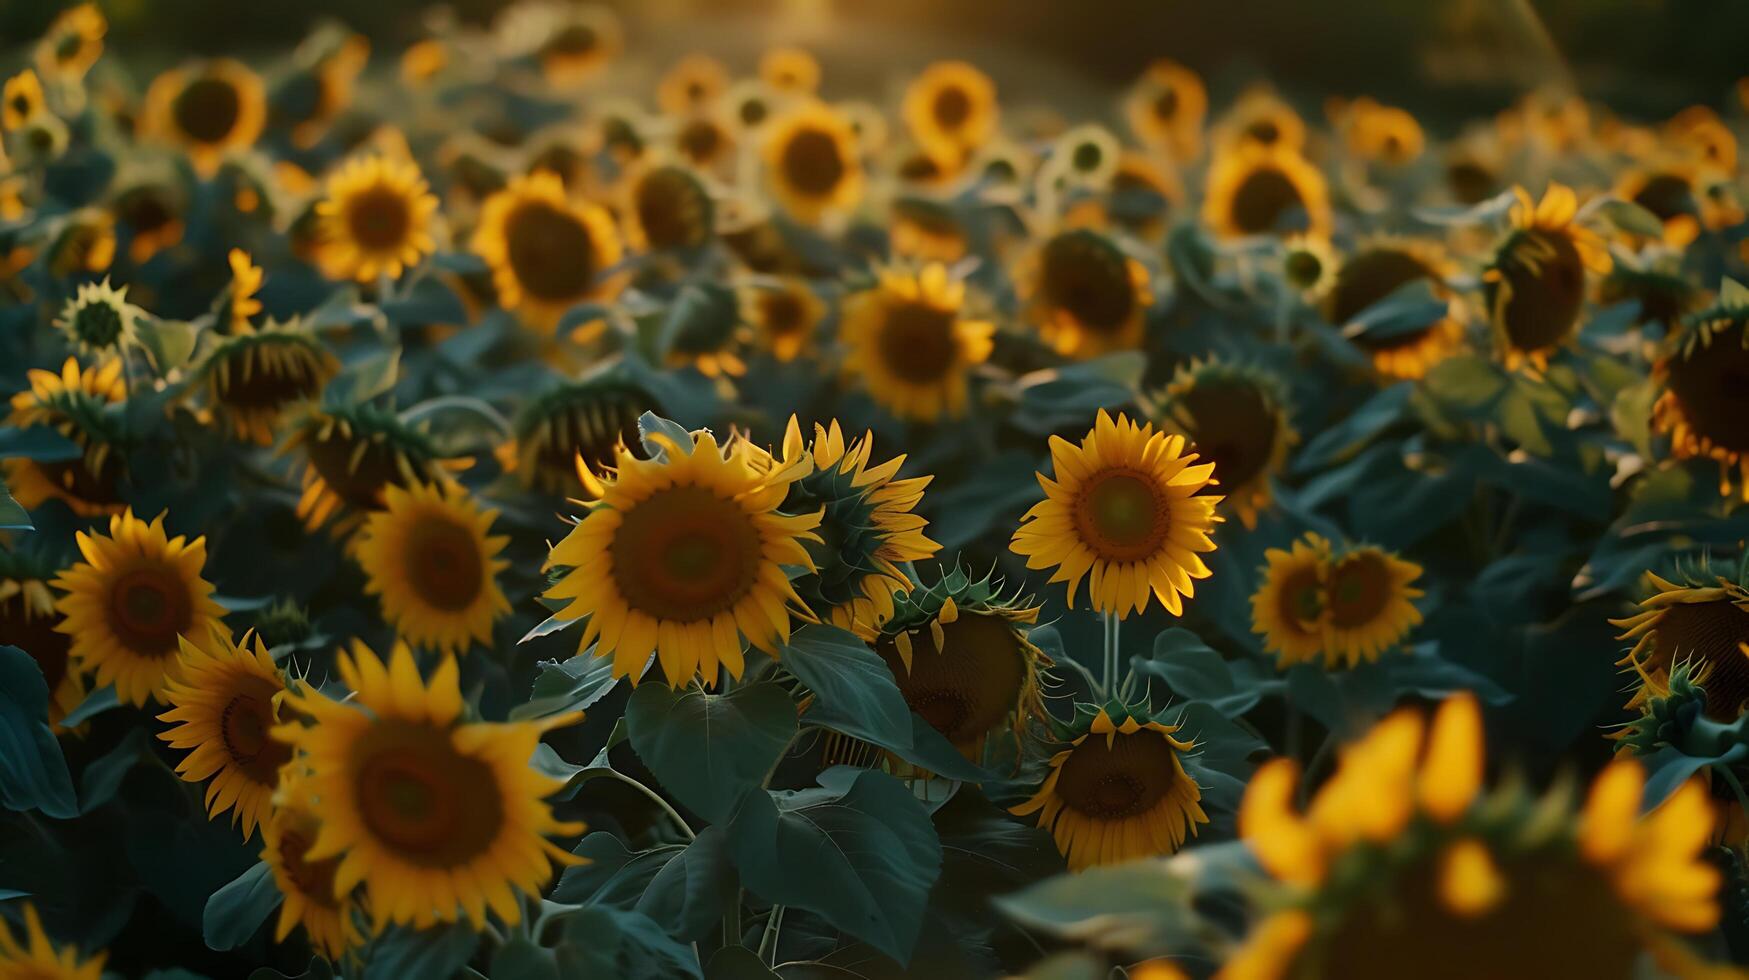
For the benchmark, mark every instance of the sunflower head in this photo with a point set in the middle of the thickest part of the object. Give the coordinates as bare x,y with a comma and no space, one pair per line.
1290,606
910,345
210,110
1236,418
79,403
951,108
31,954
1372,274
705,141
1697,619
21,101
1261,119
376,219
85,244
328,917
1535,284
706,335
579,43
1703,397
430,558
579,424
668,207
790,70
695,81
1165,109
351,456
924,230
1118,790
1257,189
812,164
73,42
99,321
1085,294
28,619
548,251
1383,133
784,314
254,379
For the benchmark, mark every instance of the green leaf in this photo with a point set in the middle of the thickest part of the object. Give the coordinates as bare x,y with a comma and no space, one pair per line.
520,959
402,953
567,685
1631,414
169,343
1630,217
13,516
364,379
1196,672
614,875
1071,394
710,749
1138,905
650,424
1733,293
96,703
688,894
606,942
852,682
1466,382
33,773
869,850
1410,307
1364,424
38,442
737,963
102,777
236,911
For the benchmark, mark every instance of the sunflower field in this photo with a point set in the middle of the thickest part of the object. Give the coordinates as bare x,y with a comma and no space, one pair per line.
508,504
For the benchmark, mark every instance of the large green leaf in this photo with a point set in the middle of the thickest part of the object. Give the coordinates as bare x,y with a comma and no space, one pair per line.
859,851
710,749
33,773
614,875
737,963
234,912
567,685
606,943
688,894
402,953
1196,672
13,516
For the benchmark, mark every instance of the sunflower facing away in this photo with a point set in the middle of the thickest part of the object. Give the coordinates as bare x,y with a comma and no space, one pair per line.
128,603
255,377
72,403
28,619
811,162
328,916
34,956
684,555
1535,284
1704,401
1254,189
1127,506
1372,274
376,219
1118,792
579,423
351,456
223,705
440,819
99,321
547,251
951,109
1703,621
1463,884
909,345
1087,297
1166,107
1235,418
1289,607
428,555
210,110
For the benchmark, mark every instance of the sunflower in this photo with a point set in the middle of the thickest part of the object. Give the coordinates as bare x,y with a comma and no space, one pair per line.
1706,137
28,619
1138,197
1165,109
790,70
327,915
1288,608
784,315
376,219
21,101
1535,284
705,142
223,704
428,554
580,42
923,230
74,403
1671,193
1703,400
34,956
867,528
125,606
85,244
1087,297
254,378
1372,274
424,61
951,108
685,555
1262,120
1260,190
909,344
210,110
152,212
352,455
1702,621
438,818
811,161
1380,132
73,43
547,251
1127,506
99,321
1308,265
1121,797
578,423
750,105
321,89
1460,883
1367,596
1472,171
668,207
1235,418
694,82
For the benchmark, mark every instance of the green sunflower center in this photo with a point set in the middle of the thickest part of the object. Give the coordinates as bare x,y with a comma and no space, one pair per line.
443,562
98,325
1120,515
149,608
1087,157
686,554
551,252
1303,269
421,799
812,164
207,109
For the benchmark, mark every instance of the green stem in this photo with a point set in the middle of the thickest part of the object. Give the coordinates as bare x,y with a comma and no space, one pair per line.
466,403
656,798
1109,685
768,942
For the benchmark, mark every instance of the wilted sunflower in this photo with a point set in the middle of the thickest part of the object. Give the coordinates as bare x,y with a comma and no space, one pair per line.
1702,621
694,82
1535,284
429,556
684,555
811,162
72,403
1704,400
224,702
1119,792
441,820
255,377
28,619
1367,594
1372,274
1236,418
1087,297
99,321
909,345
327,915
783,314
73,43
128,603
34,957
579,423
667,207
1165,109
376,219
1461,884
210,110
1254,189
1289,607
21,101
547,251
351,456
950,107
1128,507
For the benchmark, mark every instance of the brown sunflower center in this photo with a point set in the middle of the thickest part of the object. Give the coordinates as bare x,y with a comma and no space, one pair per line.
419,797
701,140
1359,589
1709,635
443,563
1165,104
34,633
1368,278
1712,385
574,40
782,312
207,109
1265,131
1090,280
686,554
314,879
1667,196
1120,516
1545,277
1266,197
1127,779
951,107
145,209
1232,425
917,341
1470,182
270,379
243,728
379,219
673,210
355,475
812,163
969,686
1301,599
550,251
149,607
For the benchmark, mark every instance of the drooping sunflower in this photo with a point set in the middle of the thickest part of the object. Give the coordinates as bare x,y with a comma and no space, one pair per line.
950,107
684,555
99,321
547,251
1260,190
28,619
578,423
1703,399
1166,107
1118,792
1368,596
1289,607
1372,274
784,315
1236,418
73,42
811,163
376,218
1701,621
1127,506
125,606
256,377
223,706
210,110
21,101
34,956
429,556
73,403
909,345
695,81
1087,297
328,916
351,456
1463,883
1535,284
440,819
668,207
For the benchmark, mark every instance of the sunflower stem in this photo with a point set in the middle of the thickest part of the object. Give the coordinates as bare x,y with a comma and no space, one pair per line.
466,403
768,942
1109,685
657,799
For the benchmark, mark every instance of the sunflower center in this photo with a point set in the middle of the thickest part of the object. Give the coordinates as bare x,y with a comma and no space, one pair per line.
550,251
314,879
1087,157
1712,385
268,380
812,164
782,312
1120,516
68,47
148,609
243,727
1264,131
1166,104
574,39
1303,269
917,342
35,634
1470,182
98,325
1090,280
1127,779
1358,590
1233,426
444,564
357,476
1667,196
686,554
753,112
1264,199
1710,634
701,140
207,109
427,802
952,107
1301,599
1545,278
379,219
969,686
672,209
